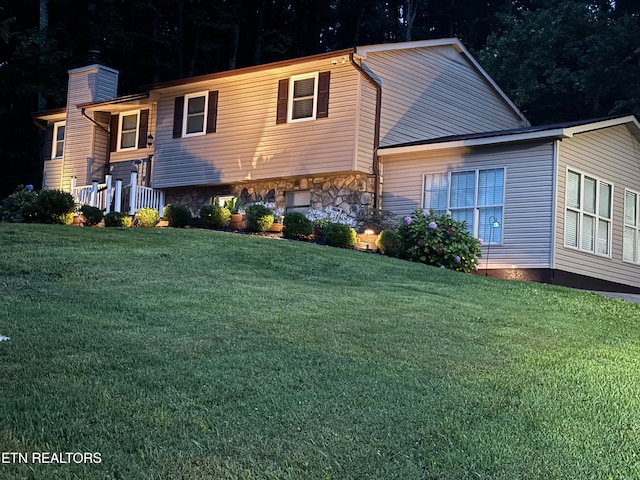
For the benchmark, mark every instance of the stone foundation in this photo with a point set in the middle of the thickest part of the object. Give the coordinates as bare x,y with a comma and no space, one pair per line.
352,194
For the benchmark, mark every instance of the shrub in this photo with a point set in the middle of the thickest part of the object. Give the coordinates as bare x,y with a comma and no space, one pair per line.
92,215
439,240
147,217
215,216
21,206
117,219
389,243
296,226
339,235
259,218
55,206
177,215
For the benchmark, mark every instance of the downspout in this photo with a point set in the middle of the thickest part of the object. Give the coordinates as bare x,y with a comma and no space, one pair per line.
101,127
376,132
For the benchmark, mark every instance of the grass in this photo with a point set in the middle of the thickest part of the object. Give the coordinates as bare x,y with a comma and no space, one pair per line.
183,354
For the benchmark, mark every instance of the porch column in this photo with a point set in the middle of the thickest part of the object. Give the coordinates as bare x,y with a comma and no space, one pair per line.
133,192
74,182
161,203
117,201
94,193
108,196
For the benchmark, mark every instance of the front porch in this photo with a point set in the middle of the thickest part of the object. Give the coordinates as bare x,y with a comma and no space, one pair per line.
113,196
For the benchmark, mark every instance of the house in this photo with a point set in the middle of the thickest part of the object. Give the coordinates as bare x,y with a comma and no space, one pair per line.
393,127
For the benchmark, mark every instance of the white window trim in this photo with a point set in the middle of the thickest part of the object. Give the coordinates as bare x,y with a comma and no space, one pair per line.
54,141
120,125
185,114
581,213
636,227
476,208
292,81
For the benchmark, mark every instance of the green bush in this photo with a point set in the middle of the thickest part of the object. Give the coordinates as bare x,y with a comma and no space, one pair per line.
339,235
389,243
92,215
55,206
439,240
147,217
259,218
20,207
215,216
296,226
117,219
177,215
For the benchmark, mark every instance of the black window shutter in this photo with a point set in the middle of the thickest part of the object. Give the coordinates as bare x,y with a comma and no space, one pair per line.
322,110
212,114
144,127
177,117
48,142
113,133
283,99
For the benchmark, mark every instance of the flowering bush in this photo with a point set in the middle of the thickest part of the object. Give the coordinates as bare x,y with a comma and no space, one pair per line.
439,240
20,206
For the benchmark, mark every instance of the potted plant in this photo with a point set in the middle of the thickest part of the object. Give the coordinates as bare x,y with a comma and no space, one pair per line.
278,218
234,205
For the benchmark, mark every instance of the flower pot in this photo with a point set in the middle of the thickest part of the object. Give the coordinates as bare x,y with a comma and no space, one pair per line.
275,228
237,221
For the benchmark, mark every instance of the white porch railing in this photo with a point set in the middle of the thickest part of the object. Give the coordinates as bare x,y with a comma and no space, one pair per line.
118,198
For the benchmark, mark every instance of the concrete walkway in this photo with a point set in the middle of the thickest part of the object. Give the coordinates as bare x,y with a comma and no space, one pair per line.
629,297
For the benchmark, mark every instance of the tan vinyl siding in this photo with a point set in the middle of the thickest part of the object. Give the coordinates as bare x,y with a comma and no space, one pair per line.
248,144
52,175
527,222
435,92
366,126
85,85
612,155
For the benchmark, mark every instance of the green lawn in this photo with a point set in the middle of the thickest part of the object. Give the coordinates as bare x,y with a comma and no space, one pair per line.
195,354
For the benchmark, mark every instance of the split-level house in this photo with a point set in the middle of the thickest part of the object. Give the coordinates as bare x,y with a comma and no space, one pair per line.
393,127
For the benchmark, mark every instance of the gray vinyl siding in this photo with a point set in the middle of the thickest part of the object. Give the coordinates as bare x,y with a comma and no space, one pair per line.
366,126
435,92
612,155
528,207
85,85
248,144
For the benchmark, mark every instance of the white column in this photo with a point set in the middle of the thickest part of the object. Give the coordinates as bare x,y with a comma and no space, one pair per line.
74,183
133,192
117,204
107,195
161,204
94,193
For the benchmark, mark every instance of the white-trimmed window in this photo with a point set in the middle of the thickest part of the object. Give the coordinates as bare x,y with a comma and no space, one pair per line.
195,114
631,242
587,224
57,147
128,128
302,99
475,196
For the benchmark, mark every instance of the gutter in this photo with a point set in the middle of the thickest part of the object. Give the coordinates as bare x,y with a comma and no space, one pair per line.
376,134
107,164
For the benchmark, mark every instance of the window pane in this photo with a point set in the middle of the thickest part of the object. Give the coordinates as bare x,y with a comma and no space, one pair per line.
195,124
302,108
128,140
571,229
630,209
629,244
463,189
486,219
573,189
491,187
603,237
604,208
465,214
436,192
129,122
60,133
590,186
196,105
304,88
588,233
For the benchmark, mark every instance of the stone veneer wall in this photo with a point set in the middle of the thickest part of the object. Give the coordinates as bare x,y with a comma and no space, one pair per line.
351,193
